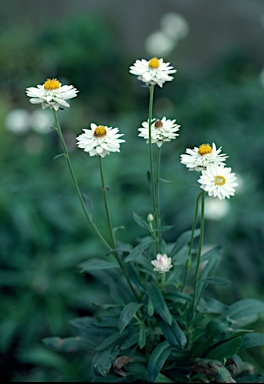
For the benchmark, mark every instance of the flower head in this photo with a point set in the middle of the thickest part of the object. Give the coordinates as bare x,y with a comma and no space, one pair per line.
218,181
162,263
51,94
198,158
161,130
100,140
152,72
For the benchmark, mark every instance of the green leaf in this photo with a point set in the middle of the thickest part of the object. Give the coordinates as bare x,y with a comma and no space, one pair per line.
88,204
131,340
103,360
150,308
225,350
97,264
127,315
139,249
252,340
142,336
69,344
157,359
215,281
245,308
173,334
163,379
110,340
140,221
183,240
159,303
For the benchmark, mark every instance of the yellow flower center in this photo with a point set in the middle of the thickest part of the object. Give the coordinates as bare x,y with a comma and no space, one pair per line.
220,180
100,131
204,149
51,84
154,63
158,124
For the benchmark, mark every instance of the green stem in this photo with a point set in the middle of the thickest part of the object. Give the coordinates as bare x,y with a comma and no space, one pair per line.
113,242
106,203
153,192
199,253
66,153
158,223
188,262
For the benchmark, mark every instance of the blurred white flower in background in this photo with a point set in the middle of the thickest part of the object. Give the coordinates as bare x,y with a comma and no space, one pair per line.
18,121
41,122
174,28
159,44
216,209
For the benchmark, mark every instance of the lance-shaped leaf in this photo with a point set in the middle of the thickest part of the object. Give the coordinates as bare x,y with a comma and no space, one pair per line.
98,264
173,334
158,302
157,359
139,249
225,350
103,360
252,340
127,315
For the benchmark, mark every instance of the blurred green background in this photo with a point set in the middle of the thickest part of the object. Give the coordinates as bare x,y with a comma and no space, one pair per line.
217,96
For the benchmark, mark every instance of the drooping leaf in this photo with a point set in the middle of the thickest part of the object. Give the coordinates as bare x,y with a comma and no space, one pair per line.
110,340
97,264
69,344
127,315
140,221
157,359
139,249
173,334
142,336
252,340
225,350
183,240
103,360
159,303
214,281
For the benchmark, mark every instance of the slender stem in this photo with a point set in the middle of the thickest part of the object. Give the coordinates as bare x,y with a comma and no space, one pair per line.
158,223
153,192
199,253
188,262
106,203
113,242
66,153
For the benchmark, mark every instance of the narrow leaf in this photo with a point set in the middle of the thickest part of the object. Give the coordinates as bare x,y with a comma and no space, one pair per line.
103,360
183,240
252,340
173,334
157,359
97,264
138,250
127,314
159,303
225,350
215,281
112,339
142,336
140,221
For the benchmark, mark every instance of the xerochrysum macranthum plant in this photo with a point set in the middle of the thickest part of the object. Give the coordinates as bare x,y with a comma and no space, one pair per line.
160,326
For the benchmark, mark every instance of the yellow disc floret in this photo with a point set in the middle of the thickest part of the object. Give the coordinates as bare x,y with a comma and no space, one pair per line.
154,63
220,180
158,124
204,149
51,84
100,131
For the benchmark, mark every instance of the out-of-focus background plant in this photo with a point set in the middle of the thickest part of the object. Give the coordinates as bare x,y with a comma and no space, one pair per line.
217,96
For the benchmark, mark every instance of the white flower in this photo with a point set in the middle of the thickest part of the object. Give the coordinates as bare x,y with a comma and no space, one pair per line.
100,140
216,209
18,121
162,263
161,130
51,94
218,181
197,159
152,72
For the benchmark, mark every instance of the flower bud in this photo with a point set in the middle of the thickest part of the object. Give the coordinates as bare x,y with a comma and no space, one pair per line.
162,263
